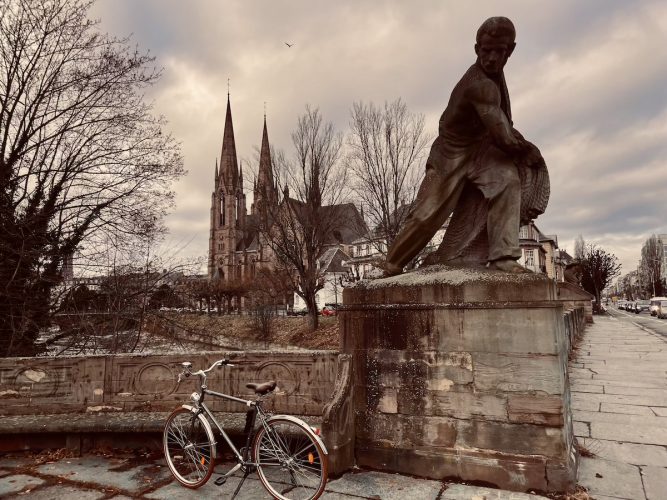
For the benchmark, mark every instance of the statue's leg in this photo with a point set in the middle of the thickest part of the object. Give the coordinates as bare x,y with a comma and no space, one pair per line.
436,199
497,178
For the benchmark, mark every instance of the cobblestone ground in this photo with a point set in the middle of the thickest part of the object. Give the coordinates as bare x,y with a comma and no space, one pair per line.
619,399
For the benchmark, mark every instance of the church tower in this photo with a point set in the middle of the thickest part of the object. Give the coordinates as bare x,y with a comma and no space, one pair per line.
228,212
265,192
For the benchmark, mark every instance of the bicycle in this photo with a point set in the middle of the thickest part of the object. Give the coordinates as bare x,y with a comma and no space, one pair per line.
287,454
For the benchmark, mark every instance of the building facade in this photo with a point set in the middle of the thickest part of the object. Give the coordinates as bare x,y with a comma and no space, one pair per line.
236,245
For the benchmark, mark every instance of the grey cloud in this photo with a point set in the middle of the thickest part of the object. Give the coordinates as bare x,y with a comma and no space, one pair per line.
587,82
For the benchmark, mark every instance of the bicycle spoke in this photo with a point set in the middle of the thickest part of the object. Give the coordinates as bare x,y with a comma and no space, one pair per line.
188,448
290,456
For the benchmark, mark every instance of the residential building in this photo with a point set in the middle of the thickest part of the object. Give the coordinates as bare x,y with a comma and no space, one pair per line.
539,251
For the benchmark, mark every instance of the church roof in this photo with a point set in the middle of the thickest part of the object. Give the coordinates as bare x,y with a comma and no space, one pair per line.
350,225
331,261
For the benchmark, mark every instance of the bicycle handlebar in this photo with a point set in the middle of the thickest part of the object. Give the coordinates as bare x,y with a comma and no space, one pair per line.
202,373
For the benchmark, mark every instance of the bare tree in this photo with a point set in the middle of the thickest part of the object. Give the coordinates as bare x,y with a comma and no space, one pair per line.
117,294
80,152
269,290
309,216
385,148
651,266
599,268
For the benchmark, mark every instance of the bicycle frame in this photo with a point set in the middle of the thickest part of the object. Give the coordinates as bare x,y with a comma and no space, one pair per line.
250,425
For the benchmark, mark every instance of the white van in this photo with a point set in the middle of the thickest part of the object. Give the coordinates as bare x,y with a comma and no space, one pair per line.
655,305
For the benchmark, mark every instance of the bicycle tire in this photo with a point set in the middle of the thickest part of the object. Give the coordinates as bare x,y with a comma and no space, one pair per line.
291,462
189,447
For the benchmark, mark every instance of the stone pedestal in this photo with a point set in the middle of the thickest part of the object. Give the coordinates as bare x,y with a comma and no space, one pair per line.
461,373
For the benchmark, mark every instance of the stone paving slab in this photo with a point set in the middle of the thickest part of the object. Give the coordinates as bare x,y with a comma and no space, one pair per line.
65,492
627,409
464,492
14,462
252,489
105,472
658,393
629,433
609,478
385,486
655,482
617,418
623,399
17,483
661,411
630,453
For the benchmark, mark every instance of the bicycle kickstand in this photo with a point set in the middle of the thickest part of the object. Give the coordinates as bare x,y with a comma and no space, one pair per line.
238,488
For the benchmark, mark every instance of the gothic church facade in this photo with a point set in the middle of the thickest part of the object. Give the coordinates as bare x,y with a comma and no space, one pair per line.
236,248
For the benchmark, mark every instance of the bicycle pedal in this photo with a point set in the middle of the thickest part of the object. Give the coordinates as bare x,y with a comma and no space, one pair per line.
220,481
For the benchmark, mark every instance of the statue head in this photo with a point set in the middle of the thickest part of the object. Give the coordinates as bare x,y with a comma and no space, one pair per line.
495,43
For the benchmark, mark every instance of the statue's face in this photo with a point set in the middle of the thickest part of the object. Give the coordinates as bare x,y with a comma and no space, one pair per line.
493,52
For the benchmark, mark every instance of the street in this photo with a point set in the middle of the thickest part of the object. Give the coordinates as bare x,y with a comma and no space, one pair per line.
643,320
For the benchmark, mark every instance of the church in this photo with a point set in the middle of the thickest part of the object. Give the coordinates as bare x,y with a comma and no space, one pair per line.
237,248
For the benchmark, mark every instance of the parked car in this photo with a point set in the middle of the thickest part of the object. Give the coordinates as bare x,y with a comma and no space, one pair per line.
642,305
655,304
662,309
330,310
621,304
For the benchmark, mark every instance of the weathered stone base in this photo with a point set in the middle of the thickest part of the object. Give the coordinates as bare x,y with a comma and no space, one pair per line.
461,374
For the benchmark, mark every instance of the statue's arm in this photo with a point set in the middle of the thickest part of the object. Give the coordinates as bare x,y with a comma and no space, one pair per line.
485,98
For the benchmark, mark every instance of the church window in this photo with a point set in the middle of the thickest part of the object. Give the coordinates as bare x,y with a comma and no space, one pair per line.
222,210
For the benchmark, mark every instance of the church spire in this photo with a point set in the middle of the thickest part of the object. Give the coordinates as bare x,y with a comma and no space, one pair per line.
216,173
265,193
229,168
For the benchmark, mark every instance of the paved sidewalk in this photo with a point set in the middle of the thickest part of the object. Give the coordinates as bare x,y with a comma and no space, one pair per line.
619,398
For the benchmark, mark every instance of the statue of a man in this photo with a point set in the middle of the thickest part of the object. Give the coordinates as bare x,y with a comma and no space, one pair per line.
479,168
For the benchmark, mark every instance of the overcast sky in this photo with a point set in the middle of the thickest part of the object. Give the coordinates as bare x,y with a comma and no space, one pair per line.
588,83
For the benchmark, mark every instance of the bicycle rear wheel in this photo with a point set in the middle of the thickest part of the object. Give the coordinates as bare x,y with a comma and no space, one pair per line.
291,463
189,447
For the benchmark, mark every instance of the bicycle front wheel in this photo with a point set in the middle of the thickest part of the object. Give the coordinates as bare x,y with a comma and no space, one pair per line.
189,447
291,463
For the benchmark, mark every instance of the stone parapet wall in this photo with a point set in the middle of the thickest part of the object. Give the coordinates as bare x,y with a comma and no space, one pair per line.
138,383
575,297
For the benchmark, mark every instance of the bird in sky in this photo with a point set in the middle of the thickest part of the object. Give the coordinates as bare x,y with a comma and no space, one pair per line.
289,44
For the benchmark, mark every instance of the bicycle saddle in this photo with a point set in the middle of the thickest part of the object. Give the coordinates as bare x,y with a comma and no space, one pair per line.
264,388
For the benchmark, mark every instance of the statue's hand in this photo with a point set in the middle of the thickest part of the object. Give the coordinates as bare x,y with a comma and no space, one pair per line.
531,157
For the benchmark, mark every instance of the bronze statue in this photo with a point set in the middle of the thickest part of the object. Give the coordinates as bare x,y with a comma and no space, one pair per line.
480,168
